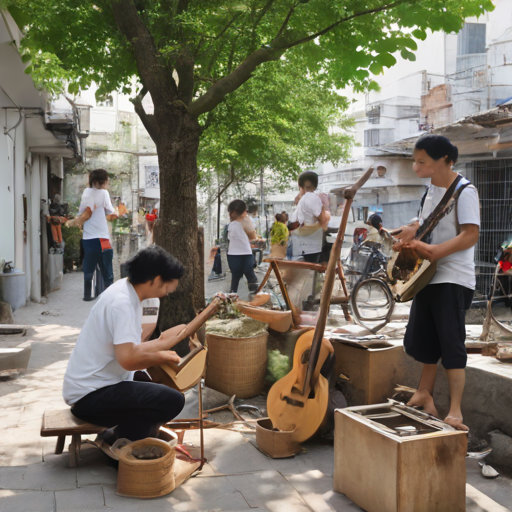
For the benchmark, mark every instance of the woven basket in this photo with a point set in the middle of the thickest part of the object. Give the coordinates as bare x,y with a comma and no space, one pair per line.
142,478
236,366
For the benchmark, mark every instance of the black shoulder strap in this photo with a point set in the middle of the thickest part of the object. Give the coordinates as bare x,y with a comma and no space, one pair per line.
441,209
422,202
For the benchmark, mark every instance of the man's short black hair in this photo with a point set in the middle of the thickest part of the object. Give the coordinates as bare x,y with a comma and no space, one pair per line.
151,262
437,146
375,220
238,206
310,176
98,176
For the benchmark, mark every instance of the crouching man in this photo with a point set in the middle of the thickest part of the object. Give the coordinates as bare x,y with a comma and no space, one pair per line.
99,382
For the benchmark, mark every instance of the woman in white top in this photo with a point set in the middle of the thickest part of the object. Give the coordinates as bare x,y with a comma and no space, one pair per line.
96,237
240,258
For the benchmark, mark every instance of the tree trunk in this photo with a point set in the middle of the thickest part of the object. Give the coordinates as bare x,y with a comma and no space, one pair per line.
176,229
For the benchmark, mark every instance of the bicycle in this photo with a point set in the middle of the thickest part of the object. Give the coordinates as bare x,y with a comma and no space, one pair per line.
371,297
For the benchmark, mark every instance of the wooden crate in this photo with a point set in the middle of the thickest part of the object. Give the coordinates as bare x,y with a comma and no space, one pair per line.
382,472
373,372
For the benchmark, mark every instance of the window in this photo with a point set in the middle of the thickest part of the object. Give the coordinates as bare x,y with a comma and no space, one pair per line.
373,114
152,177
371,138
471,39
107,101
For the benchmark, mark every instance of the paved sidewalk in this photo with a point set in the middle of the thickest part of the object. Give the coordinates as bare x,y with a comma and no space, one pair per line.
237,477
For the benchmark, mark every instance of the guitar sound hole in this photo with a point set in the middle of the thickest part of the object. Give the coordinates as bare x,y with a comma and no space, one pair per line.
305,356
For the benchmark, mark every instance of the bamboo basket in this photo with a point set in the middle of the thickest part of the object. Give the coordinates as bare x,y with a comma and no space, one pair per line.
143,478
236,366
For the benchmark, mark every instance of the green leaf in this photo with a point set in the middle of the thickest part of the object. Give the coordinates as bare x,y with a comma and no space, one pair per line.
376,68
26,57
419,34
385,59
407,55
28,70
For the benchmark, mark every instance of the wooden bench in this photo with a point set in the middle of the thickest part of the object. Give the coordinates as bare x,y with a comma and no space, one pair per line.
62,423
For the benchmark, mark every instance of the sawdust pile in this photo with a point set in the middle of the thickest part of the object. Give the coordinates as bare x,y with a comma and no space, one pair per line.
242,327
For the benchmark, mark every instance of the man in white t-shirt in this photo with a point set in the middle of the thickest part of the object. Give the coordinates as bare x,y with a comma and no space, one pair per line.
436,329
99,381
310,219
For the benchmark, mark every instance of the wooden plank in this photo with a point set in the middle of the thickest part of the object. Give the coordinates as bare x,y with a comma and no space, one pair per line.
432,473
62,423
301,265
364,462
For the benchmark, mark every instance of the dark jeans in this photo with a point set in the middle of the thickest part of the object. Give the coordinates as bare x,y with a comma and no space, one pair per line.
240,265
93,255
136,409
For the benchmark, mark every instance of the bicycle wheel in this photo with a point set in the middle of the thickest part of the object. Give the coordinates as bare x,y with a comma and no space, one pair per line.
372,302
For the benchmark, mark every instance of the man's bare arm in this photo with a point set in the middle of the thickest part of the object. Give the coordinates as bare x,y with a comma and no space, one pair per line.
150,353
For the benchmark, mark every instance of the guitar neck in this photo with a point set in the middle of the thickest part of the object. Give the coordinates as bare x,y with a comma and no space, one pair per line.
192,327
330,275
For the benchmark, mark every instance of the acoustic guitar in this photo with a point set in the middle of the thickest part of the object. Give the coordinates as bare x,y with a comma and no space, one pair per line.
298,402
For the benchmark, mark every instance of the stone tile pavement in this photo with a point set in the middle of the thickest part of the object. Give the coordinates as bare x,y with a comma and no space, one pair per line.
237,477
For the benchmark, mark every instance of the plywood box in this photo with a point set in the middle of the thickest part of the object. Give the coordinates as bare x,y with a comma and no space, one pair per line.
383,472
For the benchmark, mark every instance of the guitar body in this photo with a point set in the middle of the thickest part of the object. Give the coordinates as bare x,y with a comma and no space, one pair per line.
183,378
287,407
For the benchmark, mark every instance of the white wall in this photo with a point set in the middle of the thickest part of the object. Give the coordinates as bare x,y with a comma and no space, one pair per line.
6,192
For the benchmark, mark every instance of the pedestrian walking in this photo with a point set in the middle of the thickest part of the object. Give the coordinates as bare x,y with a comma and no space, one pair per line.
240,257
96,237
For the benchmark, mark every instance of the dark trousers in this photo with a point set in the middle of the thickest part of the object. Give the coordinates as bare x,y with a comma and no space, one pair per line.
136,409
242,265
436,328
93,255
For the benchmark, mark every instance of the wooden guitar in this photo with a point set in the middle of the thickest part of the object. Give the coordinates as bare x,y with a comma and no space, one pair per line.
189,371
298,402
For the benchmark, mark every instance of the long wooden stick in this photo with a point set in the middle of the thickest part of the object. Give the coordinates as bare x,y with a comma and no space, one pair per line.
330,275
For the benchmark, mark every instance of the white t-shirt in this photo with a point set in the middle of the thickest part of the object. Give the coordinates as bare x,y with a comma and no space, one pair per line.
308,209
238,240
98,200
459,267
116,318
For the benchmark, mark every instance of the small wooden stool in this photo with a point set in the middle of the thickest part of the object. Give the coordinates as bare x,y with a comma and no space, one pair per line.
62,423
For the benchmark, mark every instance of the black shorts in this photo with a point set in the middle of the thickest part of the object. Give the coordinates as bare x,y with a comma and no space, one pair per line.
436,328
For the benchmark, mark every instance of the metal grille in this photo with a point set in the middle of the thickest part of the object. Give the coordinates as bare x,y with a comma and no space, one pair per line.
493,179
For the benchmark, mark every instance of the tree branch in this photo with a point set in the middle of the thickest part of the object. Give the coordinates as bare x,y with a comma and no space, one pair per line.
185,70
285,22
216,93
339,22
222,32
148,120
153,72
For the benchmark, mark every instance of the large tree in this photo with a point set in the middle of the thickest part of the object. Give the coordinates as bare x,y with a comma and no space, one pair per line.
190,54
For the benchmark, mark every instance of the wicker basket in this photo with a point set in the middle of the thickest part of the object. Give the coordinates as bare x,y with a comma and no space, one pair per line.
142,478
236,366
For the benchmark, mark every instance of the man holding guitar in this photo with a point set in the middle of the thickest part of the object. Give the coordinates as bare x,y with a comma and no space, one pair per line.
436,328
99,383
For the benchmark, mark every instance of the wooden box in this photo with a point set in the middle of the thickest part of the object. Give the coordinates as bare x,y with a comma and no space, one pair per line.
381,471
373,370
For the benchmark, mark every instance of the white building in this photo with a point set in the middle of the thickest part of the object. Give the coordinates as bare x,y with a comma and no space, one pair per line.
36,135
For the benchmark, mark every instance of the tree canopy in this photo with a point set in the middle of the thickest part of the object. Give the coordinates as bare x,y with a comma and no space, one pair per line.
205,42
280,120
